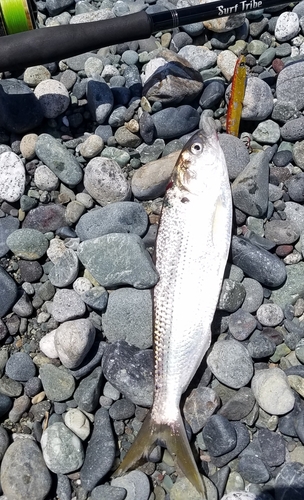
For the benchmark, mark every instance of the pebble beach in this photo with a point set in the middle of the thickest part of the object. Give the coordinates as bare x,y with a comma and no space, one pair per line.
87,147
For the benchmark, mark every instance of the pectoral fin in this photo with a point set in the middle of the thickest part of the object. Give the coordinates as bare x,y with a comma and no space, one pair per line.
175,439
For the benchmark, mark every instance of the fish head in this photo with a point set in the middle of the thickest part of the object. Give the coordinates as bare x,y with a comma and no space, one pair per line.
201,161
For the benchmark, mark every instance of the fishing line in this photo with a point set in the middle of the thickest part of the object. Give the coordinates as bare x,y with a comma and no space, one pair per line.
16,16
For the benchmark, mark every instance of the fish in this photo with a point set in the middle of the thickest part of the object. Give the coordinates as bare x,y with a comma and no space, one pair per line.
191,252
237,95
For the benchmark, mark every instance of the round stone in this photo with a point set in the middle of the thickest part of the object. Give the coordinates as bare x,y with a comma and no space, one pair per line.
53,97
230,363
62,449
270,314
20,367
272,391
28,244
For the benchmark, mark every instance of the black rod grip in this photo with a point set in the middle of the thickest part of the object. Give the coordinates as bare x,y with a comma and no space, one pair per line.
41,46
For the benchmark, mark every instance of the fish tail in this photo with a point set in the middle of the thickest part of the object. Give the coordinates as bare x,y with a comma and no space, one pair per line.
174,437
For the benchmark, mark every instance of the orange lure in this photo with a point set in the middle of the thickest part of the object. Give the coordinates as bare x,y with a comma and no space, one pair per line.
235,105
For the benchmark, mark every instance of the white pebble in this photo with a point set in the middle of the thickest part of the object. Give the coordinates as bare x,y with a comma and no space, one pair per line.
47,345
75,420
45,179
73,340
272,391
56,250
287,26
12,177
82,285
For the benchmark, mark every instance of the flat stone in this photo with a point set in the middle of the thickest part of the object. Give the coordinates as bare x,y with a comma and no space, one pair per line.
24,473
130,370
219,435
8,225
119,217
67,305
53,97
252,469
135,305
293,288
58,383
65,270
46,218
125,261
78,423
59,159
100,453
236,154
20,367
250,188
150,181
289,87
171,123
239,405
88,392
107,492
135,483
258,100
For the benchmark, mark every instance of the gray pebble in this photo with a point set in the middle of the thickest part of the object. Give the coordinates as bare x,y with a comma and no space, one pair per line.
100,453
295,213
219,435
96,298
243,440
290,478
67,305
258,100
260,346
174,122
88,391
232,296
59,159
253,470
258,263
105,182
241,324
270,314
236,154
293,288
58,383
199,406
239,405
293,130
53,97
267,132
24,473
20,367
250,188
281,232
136,483
9,292
20,406
295,186
8,225
63,490
4,442
33,386
107,492
62,449
254,295
122,409
130,371
65,270
125,260
10,387
136,305
230,363
289,86
120,217
5,404
28,244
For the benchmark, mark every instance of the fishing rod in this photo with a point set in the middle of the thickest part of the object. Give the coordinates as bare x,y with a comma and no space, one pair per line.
41,46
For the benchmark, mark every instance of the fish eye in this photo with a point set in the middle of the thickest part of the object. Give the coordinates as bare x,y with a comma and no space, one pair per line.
196,148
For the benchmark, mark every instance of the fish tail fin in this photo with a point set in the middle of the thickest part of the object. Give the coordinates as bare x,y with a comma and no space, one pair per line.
175,439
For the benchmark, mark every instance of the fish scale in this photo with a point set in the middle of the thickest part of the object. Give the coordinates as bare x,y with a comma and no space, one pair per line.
191,252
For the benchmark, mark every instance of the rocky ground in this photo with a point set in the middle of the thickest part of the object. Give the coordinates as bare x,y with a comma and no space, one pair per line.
87,146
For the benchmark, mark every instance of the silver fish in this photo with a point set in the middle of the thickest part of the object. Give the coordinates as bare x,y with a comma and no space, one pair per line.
191,253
